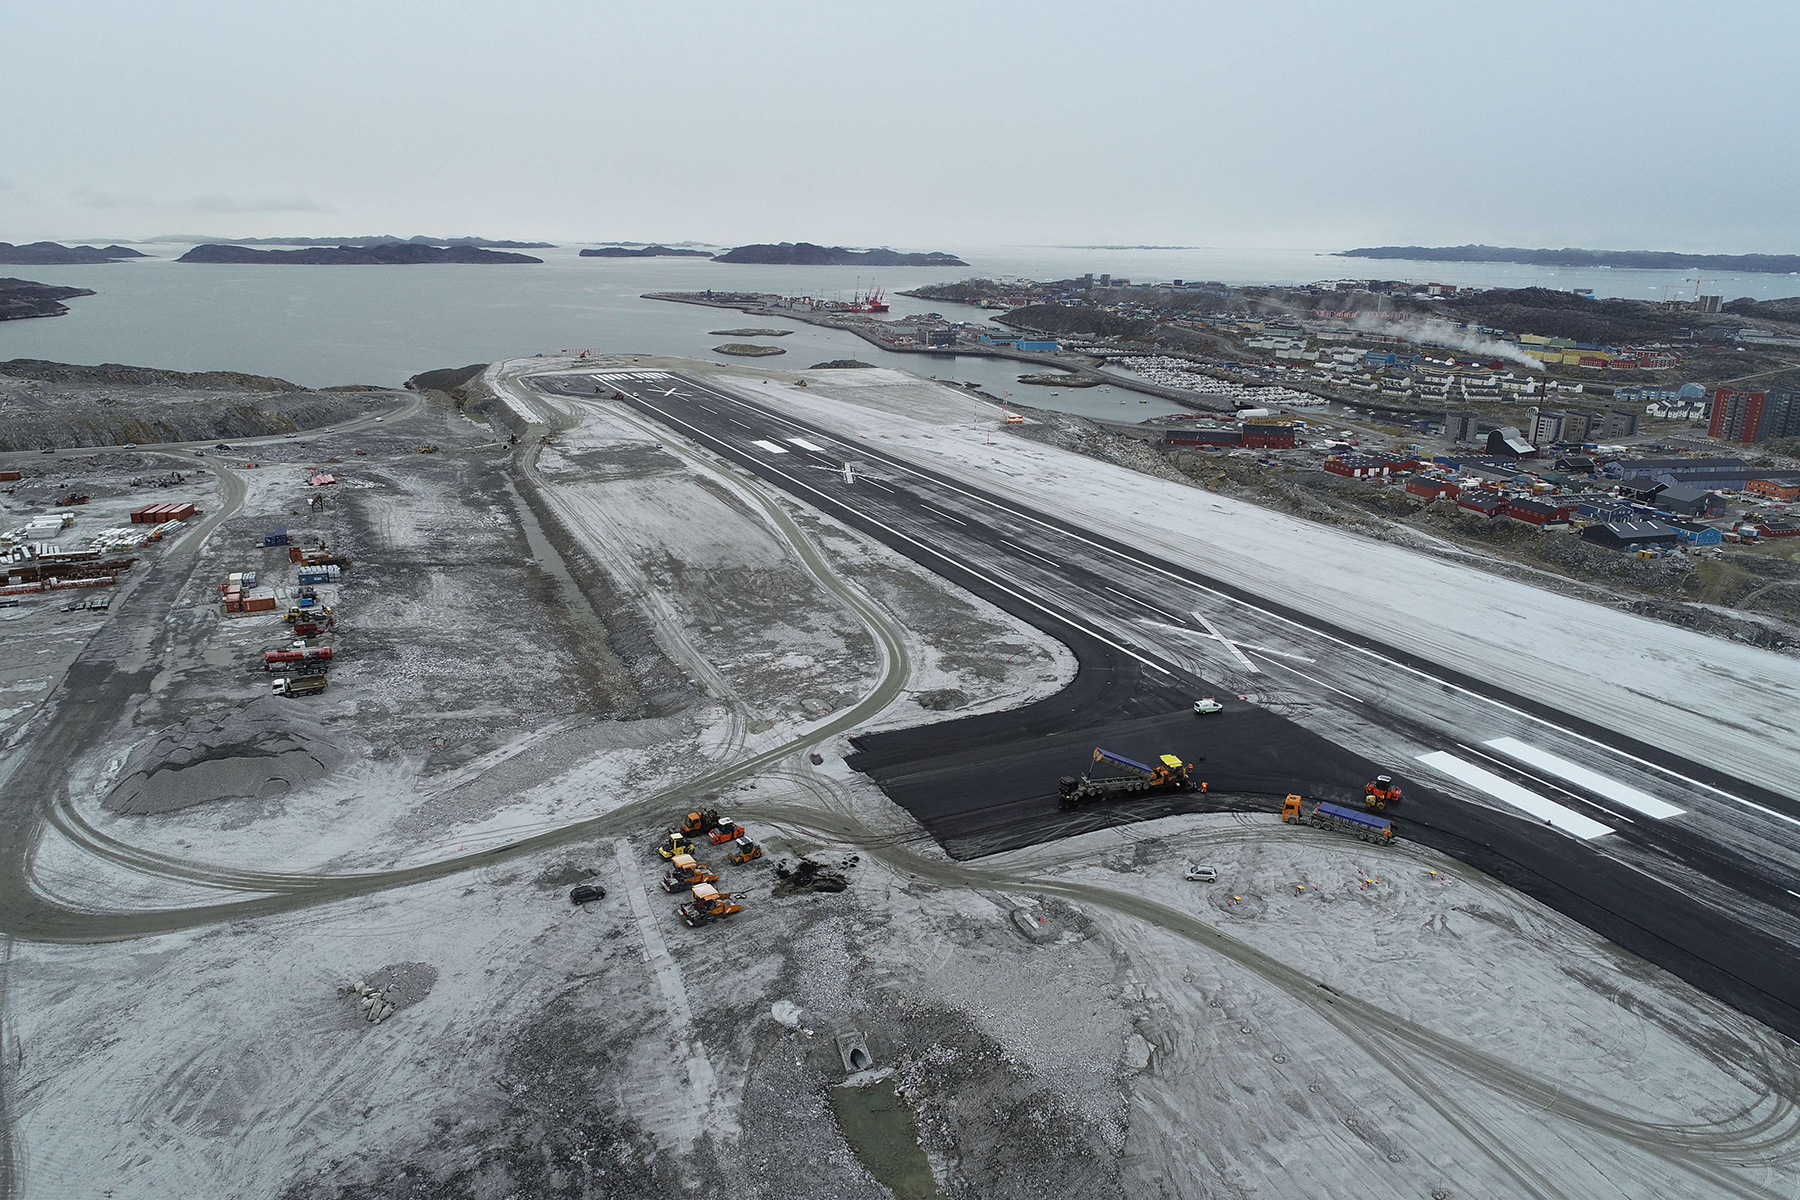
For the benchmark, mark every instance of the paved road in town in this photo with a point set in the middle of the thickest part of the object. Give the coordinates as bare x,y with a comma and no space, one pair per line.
1671,858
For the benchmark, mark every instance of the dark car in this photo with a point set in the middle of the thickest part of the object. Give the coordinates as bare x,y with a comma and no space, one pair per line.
48,450
587,892
221,446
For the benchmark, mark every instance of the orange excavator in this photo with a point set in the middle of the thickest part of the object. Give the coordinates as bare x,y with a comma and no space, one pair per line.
1381,792
685,873
708,904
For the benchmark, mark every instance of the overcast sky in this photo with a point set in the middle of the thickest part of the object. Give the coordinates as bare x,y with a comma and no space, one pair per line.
924,125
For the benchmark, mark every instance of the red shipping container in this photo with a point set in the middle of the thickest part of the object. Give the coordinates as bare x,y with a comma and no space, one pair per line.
259,604
9,476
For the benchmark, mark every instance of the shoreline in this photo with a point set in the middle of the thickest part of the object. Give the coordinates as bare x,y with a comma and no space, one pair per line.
1085,367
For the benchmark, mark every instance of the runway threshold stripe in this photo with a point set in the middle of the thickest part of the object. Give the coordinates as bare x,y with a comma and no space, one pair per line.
1510,793
806,445
771,447
1582,777
1243,659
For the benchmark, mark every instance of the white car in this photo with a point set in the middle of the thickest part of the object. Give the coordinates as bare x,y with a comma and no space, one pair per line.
1200,874
1205,705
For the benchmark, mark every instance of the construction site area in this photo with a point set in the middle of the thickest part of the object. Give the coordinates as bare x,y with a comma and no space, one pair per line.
616,777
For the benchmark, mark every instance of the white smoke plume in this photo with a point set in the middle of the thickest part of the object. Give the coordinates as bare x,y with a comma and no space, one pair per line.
1435,331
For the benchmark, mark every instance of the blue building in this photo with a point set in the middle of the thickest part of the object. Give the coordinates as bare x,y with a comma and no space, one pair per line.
1695,534
1043,347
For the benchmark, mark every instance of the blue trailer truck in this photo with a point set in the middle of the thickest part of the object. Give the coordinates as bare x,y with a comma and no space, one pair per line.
1326,815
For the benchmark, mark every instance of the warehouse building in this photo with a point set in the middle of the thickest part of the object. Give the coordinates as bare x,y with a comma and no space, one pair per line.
1684,500
1631,535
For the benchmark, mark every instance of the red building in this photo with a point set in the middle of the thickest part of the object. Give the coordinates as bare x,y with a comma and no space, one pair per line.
1269,437
1774,489
1736,416
1486,503
1537,512
1359,466
1431,489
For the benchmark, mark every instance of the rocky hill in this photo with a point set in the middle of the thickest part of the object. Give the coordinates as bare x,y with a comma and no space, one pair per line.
642,252
1094,322
1650,260
384,239
46,404
20,298
54,254
384,254
807,254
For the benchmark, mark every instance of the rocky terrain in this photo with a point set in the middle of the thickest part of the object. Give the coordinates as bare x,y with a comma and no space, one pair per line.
807,254
387,239
55,405
383,254
1643,260
48,254
642,252
21,298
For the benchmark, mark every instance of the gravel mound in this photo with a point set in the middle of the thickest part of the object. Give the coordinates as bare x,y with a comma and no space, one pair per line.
263,750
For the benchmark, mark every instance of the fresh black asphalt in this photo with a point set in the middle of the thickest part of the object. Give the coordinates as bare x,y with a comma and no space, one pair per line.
987,783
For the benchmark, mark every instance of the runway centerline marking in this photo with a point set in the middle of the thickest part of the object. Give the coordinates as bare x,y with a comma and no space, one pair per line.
1507,792
1582,777
1143,603
1033,553
940,512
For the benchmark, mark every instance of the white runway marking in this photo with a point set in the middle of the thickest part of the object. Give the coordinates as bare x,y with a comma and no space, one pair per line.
1508,792
1581,777
806,445
1243,659
771,447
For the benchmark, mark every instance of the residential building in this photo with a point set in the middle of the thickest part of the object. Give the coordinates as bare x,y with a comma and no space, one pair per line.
1460,426
1751,417
1544,427
1620,423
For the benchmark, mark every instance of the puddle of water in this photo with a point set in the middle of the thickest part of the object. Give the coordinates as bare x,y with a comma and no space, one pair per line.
879,1127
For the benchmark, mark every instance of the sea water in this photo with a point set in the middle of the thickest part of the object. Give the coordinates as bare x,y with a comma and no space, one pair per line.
323,325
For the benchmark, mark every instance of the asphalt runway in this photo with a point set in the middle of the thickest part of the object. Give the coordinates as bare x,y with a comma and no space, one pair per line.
1327,710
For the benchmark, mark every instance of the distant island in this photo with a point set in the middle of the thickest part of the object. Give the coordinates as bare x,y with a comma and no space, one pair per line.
748,350
387,239
52,254
806,254
382,254
21,298
643,252
750,333
1642,260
